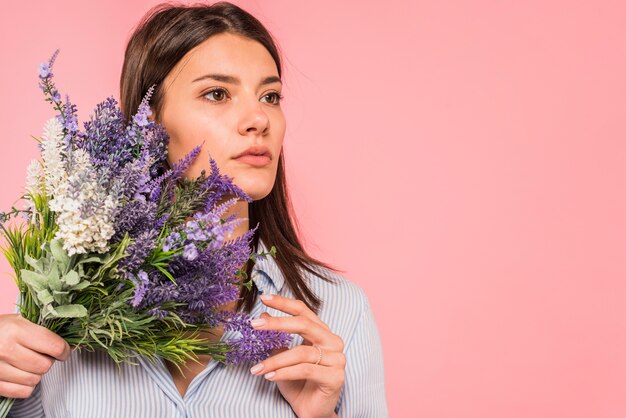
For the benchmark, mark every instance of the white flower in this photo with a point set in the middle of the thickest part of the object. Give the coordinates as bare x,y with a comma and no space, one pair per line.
34,186
34,180
84,207
52,154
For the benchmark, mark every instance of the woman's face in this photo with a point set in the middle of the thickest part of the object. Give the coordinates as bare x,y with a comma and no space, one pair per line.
226,92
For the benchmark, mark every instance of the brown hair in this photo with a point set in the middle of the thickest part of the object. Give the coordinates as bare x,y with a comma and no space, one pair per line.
165,34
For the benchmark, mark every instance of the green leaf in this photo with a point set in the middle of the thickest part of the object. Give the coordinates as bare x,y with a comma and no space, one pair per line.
166,273
36,264
90,260
248,284
81,285
71,278
53,280
44,297
34,280
60,297
71,311
47,311
59,254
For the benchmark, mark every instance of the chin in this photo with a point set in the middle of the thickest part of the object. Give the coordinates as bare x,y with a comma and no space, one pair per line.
258,194
254,188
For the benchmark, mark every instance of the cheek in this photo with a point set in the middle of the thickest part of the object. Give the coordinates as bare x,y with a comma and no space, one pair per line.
279,128
189,130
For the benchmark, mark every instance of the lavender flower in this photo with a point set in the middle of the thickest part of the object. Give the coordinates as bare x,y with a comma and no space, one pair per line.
195,232
190,253
140,287
138,251
159,313
68,117
141,119
171,241
104,137
44,70
253,345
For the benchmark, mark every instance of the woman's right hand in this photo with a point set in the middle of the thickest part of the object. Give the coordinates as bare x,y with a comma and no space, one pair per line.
27,351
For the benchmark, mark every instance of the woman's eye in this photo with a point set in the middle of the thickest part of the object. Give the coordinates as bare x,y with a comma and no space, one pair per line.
217,94
276,96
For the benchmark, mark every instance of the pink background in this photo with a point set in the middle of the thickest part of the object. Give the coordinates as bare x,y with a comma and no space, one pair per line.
464,162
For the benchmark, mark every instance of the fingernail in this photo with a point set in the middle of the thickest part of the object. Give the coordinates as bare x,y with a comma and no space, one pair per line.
266,297
270,375
257,322
257,368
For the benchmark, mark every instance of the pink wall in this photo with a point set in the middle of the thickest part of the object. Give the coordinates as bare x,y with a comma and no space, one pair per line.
469,162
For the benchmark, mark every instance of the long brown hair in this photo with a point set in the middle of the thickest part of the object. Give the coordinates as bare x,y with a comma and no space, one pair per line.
165,34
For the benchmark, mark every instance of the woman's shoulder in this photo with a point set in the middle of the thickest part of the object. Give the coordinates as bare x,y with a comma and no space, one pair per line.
334,286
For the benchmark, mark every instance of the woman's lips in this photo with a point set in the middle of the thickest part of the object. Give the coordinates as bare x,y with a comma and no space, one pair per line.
254,160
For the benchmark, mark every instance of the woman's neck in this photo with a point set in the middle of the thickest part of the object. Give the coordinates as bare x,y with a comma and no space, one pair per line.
241,210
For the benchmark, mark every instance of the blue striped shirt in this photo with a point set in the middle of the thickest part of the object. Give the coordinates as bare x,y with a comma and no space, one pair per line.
89,384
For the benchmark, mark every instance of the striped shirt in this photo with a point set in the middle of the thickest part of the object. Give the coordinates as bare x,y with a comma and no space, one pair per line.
89,385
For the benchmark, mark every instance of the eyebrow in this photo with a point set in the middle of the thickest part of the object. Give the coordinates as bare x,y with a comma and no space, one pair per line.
234,80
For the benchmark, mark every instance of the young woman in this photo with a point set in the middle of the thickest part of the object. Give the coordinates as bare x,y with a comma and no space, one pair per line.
218,76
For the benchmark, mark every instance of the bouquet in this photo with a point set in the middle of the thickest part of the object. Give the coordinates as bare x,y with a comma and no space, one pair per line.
119,253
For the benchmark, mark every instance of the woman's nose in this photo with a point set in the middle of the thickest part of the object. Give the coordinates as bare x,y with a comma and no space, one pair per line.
253,119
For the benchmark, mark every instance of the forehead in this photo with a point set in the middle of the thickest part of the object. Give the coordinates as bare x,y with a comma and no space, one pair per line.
228,54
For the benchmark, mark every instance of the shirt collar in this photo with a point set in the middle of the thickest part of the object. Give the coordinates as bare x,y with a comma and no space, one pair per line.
266,271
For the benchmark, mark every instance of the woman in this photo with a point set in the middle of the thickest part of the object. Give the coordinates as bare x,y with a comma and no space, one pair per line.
218,77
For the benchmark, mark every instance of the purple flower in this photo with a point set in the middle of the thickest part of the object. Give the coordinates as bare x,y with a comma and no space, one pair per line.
141,119
191,227
140,288
68,117
163,291
200,235
254,345
138,251
159,313
206,217
56,97
104,137
194,232
190,252
171,241
44,70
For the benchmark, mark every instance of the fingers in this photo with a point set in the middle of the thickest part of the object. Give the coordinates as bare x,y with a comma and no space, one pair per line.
292,324
308,329
20,377
27,351
27,360
291,306
14,390
42,340
329,377
299,354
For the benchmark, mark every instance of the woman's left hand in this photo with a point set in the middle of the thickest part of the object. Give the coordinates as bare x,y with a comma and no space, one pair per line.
311,390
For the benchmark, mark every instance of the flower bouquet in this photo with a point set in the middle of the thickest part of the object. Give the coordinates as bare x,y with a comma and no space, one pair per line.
118,252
